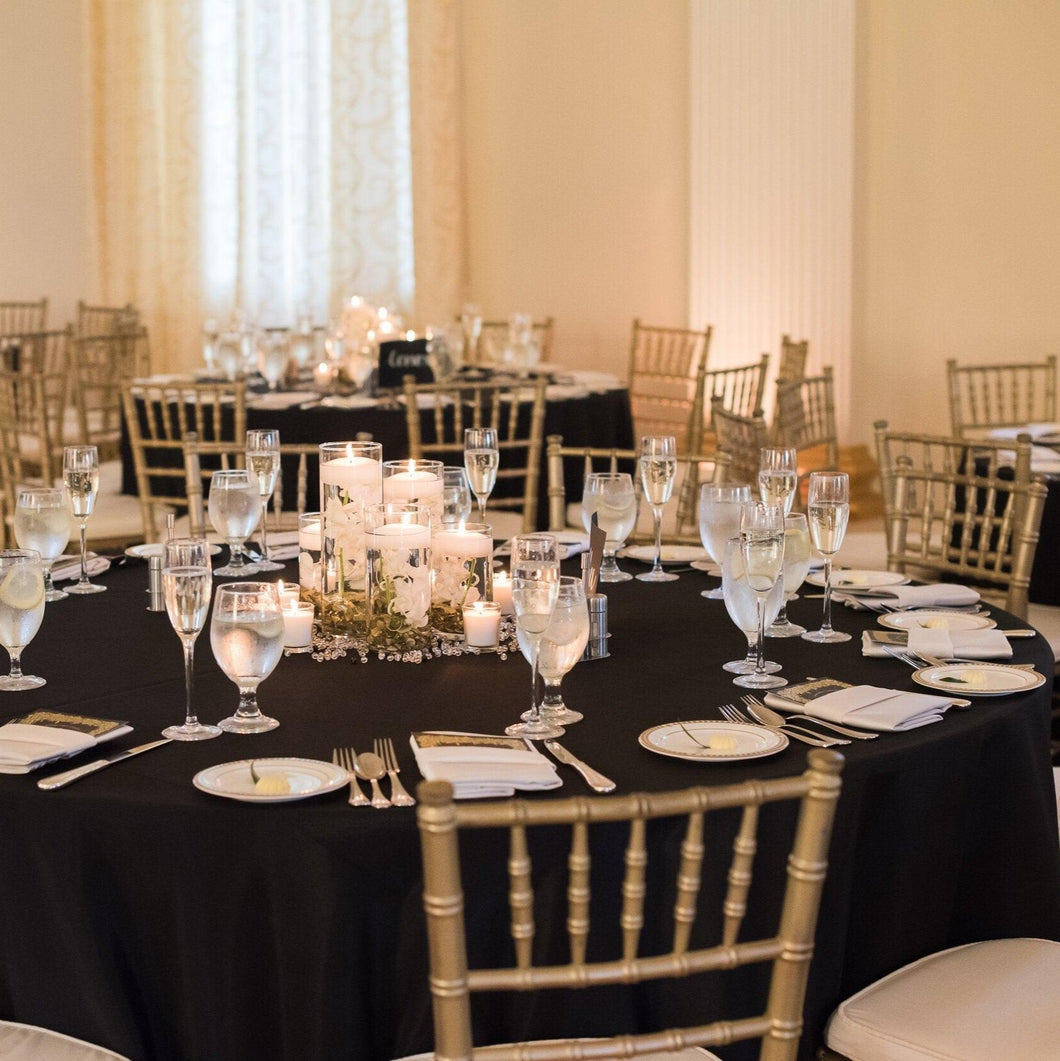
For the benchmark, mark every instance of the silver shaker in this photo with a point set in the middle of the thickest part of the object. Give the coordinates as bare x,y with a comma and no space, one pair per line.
156,602
596,647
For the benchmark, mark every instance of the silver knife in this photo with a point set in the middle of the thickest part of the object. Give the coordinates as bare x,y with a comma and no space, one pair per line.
67,776
597,782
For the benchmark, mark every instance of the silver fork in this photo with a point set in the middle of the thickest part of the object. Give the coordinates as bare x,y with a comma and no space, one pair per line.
846,731
344,757
734,714
385,750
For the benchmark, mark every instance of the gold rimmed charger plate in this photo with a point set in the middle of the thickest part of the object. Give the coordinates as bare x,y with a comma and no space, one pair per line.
673,739
979,679
669,554
857,580
925,617
305,777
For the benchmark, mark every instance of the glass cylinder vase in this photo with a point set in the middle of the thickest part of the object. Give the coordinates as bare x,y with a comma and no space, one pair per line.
398,588
461,573
418,482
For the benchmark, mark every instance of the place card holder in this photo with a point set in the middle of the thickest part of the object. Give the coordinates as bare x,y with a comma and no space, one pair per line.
596,646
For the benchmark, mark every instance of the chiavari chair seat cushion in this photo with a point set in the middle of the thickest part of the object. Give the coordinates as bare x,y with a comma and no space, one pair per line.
979,1002
25,1042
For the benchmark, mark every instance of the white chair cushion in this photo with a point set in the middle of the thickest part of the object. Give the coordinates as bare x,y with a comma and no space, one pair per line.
981,1002
23,1042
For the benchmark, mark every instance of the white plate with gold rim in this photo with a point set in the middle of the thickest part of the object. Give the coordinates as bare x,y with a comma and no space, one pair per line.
303,777
149,549
926,619
669,554
855,580
979,679
732,741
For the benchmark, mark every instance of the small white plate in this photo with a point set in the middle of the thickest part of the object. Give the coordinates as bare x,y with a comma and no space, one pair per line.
979,679
856,580
752,742
709,566
670,554
306,777
142,552
923,617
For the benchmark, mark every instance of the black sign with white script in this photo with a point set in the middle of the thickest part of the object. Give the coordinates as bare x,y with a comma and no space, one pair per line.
399,358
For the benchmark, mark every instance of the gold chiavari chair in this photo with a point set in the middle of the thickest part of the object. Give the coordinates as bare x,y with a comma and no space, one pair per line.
742,437
16,318
667,369
983,397
41,351
106,320
438,413
792,358
157,416
788,944
31,423
740,389
101,365
963,509
495,336
805,421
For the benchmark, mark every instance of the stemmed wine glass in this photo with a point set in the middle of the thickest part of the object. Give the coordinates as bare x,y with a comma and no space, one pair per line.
658,471
234,507
796,568
762,546
741,603
21,612
720,505
535,588
456,495
274,348
562,645
186,584
42,522
81,475
828,505
611,497
778,477
263,465
481,459
246,635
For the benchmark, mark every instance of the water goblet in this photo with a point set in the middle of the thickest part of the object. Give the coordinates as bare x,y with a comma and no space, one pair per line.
611,497
21,612
481,459
471,323
741,603
720,505
186,585
81,475
762,545
778,477
246,635
828,507
263,465
274,349
42,522
562,645
234,507
796,568
456,495
658,472
535,588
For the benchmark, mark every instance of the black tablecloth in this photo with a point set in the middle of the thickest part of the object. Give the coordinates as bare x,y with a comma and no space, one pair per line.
599,419
138,912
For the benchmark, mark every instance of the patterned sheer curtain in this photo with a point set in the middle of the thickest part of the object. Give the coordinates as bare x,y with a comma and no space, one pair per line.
256,155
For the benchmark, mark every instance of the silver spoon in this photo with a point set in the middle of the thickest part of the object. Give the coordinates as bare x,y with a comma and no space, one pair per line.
371,768
769,717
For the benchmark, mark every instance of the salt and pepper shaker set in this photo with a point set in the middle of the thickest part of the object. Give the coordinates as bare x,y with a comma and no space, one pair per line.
596,647
156,601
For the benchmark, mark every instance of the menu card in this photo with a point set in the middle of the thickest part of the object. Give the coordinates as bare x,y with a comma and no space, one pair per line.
31,740
482,764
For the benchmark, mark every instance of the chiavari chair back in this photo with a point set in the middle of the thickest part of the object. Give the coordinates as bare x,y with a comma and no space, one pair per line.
495,336
742,437
106,320
101,364
740,389
793,357
695,942
805,421
983,397
31,427
17,318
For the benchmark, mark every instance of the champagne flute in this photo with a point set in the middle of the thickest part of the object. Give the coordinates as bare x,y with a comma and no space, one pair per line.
741,603
263,465
562,645
186,584
246,635
235,506
762,546
42,522
456,495
796,568
658,471
610,495
535,587
828,505
471,323
720,505
778,477
81,475
21,612
481,459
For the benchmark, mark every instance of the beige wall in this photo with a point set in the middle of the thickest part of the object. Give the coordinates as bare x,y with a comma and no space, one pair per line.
957,211
576,152
45,246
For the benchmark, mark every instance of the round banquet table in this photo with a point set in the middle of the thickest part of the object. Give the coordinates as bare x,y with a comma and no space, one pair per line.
165,923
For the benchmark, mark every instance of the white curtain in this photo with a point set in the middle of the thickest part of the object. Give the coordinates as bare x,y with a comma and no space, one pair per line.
256,155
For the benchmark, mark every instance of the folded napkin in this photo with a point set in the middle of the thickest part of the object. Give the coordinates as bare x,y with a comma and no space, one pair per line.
558,392
42,736
350,401
283,545
933,595
939,643
478,764
864,706
598,381
281,399
70,567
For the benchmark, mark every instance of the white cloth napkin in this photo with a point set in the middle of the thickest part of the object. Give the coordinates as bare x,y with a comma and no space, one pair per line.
281,399
24,747
945,644
869,707
283,545
933,595
480,764
70,567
